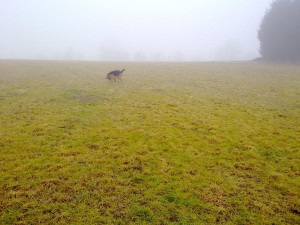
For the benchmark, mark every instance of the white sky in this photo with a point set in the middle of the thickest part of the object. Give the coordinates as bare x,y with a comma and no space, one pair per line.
130,29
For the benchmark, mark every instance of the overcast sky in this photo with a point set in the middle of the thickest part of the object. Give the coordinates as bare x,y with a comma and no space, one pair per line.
131,29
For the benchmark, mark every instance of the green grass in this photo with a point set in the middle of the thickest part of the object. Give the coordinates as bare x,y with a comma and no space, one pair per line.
177,143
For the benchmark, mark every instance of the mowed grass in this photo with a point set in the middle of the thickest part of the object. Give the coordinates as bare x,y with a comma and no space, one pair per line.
177,143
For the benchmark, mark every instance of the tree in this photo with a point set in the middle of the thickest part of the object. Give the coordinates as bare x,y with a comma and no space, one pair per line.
279,32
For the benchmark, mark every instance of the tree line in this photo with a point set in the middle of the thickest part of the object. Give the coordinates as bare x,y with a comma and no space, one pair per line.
279,32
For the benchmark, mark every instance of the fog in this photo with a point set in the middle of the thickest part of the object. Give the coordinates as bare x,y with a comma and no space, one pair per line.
109,30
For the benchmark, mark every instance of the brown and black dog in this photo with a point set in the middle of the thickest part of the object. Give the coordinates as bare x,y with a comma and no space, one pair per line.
115,75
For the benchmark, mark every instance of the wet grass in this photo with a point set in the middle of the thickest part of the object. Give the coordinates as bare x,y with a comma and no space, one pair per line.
177,143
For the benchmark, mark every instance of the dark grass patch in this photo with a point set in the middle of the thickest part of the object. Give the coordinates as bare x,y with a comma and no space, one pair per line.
88,99
14,94
84,97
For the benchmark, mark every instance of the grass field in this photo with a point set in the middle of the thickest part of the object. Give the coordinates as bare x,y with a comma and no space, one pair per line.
177,143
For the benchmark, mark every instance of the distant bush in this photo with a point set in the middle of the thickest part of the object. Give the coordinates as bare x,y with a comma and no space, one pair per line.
279,32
